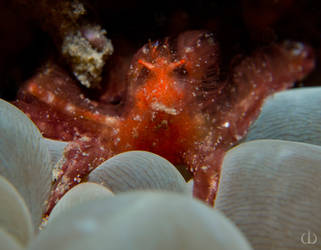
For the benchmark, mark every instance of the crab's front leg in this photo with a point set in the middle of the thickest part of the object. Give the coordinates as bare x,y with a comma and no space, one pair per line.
205,165
80,157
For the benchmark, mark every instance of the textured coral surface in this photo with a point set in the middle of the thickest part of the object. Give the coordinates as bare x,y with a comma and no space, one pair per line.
176,104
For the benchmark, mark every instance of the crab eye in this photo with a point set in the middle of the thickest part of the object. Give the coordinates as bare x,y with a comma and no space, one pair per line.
181,70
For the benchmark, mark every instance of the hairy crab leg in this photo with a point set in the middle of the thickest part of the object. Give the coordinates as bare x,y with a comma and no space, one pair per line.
50,98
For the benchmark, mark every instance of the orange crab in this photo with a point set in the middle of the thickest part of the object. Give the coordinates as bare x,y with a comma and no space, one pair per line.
176,105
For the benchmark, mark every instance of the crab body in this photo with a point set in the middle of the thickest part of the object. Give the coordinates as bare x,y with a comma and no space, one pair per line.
177,105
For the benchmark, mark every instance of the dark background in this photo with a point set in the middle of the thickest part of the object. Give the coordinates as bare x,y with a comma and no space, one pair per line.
239,25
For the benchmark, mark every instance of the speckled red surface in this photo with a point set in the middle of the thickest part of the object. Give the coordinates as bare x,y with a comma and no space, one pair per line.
175,104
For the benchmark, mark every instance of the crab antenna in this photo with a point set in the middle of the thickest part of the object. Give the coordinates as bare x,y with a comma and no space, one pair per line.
146,64
176,64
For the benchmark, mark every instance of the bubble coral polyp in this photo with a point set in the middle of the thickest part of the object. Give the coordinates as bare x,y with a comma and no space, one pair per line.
177,105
